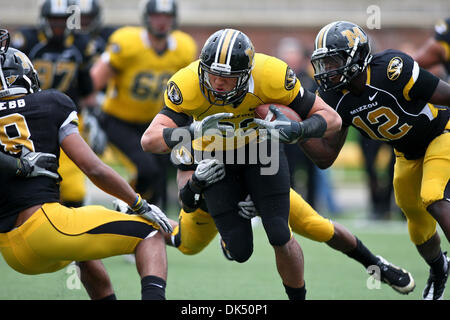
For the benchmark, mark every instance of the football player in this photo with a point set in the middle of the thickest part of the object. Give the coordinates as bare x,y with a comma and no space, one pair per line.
61,59
388,97
196,228
135,67
39,235
221,91
436,50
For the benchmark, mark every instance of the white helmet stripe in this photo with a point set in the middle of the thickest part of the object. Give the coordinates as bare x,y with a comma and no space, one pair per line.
233,40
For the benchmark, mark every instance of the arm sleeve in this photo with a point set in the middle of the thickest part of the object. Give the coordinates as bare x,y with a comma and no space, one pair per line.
303,103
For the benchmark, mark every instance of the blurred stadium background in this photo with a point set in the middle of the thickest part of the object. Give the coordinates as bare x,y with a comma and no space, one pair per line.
403,25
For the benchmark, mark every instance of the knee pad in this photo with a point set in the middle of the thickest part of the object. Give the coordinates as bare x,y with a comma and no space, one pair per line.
277,230
240,247
239,252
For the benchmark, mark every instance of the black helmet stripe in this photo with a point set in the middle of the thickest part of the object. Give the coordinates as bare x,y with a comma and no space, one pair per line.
321,39
225,46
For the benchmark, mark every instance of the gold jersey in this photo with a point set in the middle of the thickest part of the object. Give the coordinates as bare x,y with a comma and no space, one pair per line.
135,93
271,81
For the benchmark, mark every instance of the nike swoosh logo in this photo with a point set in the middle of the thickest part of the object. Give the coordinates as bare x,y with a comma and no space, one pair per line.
201,223
373,97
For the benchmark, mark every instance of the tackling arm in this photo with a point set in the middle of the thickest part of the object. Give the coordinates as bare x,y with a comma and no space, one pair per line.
324,151
430,55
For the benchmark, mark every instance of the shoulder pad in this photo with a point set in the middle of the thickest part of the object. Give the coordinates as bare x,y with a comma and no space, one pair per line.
274,79
183,91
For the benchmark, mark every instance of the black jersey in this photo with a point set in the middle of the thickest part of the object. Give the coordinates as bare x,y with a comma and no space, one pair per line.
442,34
393,106
34,121
62,66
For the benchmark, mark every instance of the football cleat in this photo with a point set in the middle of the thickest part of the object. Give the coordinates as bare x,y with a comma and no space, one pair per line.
399,279
435,287
225,251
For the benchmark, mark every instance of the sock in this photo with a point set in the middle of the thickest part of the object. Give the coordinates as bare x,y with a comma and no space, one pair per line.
153,288
110,297
295,293
362,255
438,265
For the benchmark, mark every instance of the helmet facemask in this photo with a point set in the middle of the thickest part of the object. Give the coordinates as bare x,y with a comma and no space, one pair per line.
223,97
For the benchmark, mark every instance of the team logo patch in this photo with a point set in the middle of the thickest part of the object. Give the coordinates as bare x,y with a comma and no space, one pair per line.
174,93
290,80
394,68
11,79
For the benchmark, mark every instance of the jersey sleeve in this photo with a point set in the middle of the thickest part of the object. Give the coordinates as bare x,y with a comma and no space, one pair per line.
117,50
183,93
280,84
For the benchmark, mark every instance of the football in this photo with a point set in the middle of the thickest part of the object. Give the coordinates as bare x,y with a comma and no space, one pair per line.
263,112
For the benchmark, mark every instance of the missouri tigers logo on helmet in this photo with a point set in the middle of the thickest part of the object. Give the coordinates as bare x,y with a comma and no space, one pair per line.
394,68
174,93
290,80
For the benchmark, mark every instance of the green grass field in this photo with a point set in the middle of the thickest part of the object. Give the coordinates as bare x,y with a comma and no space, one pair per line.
329,275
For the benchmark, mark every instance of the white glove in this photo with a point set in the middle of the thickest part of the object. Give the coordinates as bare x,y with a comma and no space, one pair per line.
148,211
33,164
247,208
198,128
209,171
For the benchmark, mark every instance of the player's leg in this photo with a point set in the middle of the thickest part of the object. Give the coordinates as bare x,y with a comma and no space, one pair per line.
270,194
421,225
194,231
435,194
305,221
55,235
221,199
96,280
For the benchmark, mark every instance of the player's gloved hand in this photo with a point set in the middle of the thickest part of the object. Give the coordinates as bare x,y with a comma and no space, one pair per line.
96,137
198,128
247,208
33,164
289,131
152,213
208,171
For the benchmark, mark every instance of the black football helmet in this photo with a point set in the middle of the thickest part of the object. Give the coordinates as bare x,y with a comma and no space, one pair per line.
53,19
91,15
17,74
227,53
159,6
4,40
341,52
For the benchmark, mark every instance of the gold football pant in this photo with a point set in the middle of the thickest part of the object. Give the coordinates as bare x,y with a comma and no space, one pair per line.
197,229
419,183
55,235
73,184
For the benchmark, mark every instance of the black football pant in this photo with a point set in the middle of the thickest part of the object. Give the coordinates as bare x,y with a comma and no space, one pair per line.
151,168
270,193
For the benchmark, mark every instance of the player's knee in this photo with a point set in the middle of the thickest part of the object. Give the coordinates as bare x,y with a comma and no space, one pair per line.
277,230
241,253
240,249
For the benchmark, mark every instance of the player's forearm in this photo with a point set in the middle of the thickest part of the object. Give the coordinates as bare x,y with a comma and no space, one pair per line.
153,141
106,179
324,151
